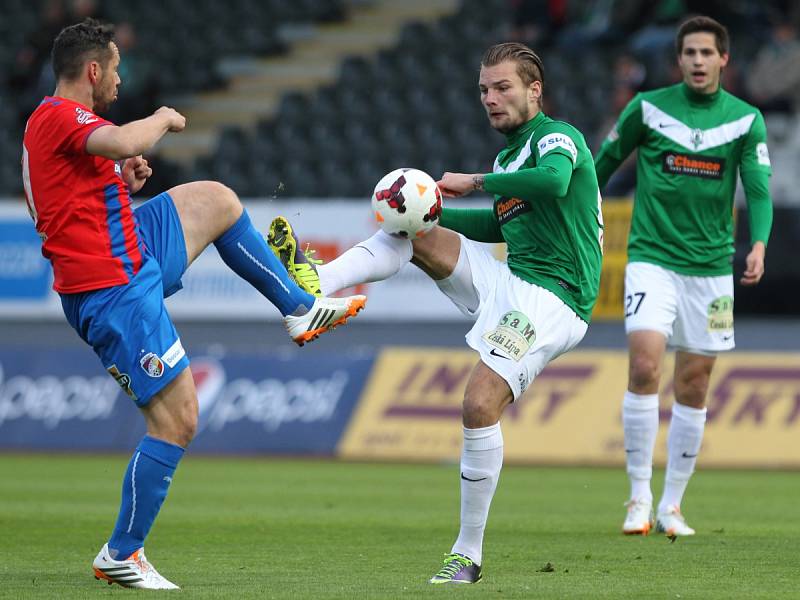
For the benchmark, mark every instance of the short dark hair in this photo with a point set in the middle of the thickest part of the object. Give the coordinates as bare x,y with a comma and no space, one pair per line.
705,25
529,65
88,39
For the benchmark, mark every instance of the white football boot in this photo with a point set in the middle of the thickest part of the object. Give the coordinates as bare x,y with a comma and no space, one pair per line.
639,519
671,522
325,314
133,572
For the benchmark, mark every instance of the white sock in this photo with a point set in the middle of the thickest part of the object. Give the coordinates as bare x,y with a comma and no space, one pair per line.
481,461
640,424
374,259
683,445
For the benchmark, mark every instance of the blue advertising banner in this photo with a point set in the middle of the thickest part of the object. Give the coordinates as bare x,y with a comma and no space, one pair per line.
24,272
64,400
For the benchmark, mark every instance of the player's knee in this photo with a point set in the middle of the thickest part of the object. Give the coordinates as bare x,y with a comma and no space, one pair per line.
479,411
644,371
692,390
217,200
185,428
227,200
184,420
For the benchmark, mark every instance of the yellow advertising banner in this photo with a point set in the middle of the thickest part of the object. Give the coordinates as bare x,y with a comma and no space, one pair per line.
411,410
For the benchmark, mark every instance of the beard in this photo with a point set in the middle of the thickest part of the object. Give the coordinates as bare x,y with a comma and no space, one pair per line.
523,117
101,103
103,98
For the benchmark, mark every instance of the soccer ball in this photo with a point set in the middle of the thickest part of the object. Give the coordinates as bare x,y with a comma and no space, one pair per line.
407,203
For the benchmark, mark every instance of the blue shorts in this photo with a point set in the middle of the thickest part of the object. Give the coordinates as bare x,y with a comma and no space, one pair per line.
128,325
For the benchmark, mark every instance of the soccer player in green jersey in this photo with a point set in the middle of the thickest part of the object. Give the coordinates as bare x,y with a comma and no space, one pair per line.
526,311
693,138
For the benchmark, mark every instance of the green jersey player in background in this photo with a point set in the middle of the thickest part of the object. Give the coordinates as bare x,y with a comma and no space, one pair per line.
693,138
526,311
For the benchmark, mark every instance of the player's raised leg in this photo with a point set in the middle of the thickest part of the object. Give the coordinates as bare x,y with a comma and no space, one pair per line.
375,259
640,425
211,212
692,374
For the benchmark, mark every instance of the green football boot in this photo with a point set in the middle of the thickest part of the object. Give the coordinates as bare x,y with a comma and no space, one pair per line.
301,265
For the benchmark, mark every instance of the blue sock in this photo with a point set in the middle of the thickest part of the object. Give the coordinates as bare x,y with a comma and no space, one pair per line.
143,491
244,250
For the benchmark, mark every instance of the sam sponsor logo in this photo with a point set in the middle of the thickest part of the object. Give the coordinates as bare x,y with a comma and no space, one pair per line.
52,400
513,336
705,167
720,314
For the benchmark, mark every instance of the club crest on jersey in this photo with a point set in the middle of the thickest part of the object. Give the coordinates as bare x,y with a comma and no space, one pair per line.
123,379
152,365
513,336
762,153
697,138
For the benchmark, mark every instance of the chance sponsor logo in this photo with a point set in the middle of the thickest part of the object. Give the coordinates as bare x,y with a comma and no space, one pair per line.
507,209
706,167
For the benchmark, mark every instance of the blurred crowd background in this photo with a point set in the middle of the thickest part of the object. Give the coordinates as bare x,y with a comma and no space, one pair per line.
307,98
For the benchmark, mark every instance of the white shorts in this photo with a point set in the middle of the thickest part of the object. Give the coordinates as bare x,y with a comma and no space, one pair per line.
695,314
519,327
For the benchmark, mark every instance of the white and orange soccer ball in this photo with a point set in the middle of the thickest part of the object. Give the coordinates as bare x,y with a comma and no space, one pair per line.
407,203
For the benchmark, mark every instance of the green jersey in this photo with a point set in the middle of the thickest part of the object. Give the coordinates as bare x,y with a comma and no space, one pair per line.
546,209
691,149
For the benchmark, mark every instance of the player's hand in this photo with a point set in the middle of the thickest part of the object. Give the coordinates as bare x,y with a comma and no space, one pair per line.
135,172
176,121
455,185
754,265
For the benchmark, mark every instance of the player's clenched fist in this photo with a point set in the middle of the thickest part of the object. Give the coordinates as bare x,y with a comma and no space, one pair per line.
177,122
135,172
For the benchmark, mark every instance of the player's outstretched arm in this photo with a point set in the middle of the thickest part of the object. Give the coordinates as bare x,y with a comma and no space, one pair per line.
456,185
136,137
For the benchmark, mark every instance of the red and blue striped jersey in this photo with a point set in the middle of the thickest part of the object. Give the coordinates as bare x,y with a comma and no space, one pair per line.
78,201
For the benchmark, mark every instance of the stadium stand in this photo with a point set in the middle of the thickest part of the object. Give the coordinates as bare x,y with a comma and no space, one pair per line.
303,98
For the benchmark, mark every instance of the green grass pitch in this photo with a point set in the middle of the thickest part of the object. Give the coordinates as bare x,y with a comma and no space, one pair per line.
265,528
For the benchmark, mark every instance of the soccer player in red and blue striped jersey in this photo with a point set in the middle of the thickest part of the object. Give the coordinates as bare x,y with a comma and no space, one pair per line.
113,266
